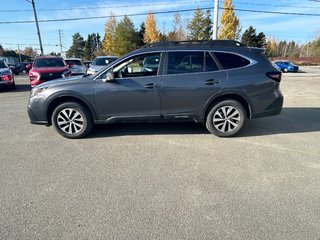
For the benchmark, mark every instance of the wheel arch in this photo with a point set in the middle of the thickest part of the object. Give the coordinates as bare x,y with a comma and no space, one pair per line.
57,100
228,96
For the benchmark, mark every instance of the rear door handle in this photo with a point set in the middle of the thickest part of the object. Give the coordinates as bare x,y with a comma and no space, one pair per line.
151,85
211,82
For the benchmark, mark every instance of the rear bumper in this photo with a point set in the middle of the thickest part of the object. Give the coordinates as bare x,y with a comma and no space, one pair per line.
275,108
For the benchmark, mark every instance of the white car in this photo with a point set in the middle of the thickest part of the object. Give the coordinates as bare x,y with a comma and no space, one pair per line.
99,63
76,66
6,76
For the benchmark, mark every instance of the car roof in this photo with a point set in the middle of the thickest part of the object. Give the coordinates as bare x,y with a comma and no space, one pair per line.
72,59
106,57
41,57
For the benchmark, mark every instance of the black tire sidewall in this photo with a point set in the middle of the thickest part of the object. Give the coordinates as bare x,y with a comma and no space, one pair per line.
88,123
233,103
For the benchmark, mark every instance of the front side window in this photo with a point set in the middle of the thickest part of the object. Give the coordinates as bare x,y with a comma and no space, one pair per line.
230,60
138,66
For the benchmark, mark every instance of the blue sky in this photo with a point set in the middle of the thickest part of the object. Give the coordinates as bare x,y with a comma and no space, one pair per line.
280,27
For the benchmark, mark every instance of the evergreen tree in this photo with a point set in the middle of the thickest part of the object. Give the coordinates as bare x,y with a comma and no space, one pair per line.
126,37
141,34
249,37
77,47
108,43
200,26
151,33
1,50
229,23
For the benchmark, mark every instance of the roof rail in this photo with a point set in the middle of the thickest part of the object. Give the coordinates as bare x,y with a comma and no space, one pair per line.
209,43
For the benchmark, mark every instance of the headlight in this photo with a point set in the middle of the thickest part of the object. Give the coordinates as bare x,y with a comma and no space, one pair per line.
35,91
91,71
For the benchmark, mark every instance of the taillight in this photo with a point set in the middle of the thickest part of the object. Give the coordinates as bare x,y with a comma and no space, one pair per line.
276,76
6,78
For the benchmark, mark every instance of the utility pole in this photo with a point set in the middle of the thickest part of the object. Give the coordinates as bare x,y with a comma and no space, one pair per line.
60,32
19,53
215,20
37,24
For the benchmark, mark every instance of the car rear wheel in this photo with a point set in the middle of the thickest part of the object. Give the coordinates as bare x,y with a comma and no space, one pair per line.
226,118
72,120
285,70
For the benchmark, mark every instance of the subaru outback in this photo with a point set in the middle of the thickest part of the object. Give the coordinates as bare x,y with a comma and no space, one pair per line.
218,83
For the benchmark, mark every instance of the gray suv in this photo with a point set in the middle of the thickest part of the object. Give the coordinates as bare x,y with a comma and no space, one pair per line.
218,83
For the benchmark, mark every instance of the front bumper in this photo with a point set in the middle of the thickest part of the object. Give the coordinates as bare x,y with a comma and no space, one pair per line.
35,118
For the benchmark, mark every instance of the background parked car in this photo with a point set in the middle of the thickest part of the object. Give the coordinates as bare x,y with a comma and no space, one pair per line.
76,66
23,67
48,68
99,63
286,66
6,76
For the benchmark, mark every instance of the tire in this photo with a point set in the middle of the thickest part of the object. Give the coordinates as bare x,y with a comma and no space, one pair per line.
285,70
12,86
226,118
72,120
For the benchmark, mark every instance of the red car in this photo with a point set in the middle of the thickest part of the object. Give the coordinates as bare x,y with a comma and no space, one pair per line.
6,76
46,69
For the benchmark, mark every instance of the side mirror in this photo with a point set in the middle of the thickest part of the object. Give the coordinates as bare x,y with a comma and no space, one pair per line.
28,66
109,76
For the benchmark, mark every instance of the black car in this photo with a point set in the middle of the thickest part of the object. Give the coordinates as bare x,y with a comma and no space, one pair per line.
218,83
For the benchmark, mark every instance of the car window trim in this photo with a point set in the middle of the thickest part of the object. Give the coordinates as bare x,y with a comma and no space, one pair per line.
165,71
252,62
159,73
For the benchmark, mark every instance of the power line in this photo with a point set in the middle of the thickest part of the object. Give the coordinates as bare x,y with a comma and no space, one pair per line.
276,5
160,12
103,6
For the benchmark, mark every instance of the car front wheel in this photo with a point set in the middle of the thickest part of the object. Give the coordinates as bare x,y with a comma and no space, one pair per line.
226,118
72,120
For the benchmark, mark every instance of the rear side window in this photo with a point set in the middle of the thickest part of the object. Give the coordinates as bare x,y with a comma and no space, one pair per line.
230,60
190,62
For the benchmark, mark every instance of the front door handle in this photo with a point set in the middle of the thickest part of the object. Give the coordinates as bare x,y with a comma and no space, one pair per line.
151,85
211,82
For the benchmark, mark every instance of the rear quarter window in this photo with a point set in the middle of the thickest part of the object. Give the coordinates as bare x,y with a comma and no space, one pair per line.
230,60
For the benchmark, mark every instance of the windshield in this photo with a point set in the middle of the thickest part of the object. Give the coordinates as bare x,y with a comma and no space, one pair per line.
3,64
49,62
74,62
103,61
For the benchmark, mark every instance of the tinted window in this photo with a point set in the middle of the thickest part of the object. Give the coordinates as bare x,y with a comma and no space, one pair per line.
138,66
185,62
229,60
210,63
103,61
3,64
74,62
49,62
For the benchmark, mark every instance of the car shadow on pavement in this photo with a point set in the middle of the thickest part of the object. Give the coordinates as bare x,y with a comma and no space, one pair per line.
291,120
127,129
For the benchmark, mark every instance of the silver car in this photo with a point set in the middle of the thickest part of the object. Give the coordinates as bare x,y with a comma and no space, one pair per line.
99,63
76,66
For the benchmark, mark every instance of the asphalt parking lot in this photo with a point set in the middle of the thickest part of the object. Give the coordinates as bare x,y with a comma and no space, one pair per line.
164,181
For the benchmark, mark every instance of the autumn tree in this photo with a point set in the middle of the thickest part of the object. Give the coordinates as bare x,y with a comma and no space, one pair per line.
108,42
177,34
200,27
126,37
229,23
151,34
29,51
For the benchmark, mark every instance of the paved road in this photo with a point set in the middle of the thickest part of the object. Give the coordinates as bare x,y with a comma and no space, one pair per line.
164,181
